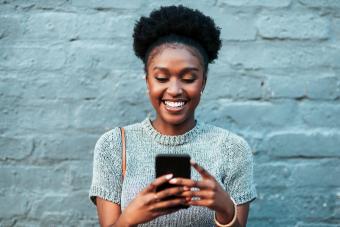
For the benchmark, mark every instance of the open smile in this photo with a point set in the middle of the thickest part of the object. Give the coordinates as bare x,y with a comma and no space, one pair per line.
174,105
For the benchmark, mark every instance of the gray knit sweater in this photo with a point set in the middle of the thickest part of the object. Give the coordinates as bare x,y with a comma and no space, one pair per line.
222,153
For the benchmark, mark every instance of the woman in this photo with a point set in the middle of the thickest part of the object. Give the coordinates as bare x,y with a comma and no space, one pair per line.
176,44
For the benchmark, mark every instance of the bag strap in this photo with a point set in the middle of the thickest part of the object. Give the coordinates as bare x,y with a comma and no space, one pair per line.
123,152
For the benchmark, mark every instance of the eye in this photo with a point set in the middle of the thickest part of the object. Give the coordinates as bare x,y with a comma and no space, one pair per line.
161,79
189,78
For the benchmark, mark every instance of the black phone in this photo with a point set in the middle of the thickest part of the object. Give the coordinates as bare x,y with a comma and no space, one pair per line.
177,164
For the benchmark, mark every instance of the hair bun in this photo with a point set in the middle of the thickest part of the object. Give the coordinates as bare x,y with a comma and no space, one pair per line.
178,20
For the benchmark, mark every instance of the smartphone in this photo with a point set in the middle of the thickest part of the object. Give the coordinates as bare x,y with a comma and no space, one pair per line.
177,164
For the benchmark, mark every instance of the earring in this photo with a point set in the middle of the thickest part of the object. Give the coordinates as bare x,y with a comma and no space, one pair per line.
202,92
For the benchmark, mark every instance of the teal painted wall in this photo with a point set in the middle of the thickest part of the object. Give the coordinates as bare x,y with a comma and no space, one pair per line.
67,68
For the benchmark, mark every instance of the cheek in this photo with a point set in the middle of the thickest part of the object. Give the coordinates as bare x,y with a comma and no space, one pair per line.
155,92
194,92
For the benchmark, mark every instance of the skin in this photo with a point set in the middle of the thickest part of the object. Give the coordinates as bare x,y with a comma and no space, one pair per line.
174,72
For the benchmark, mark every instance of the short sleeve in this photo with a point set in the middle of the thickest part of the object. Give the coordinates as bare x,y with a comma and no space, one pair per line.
107,162
238,179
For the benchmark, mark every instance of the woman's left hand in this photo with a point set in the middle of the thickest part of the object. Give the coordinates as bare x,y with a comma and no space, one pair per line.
210,193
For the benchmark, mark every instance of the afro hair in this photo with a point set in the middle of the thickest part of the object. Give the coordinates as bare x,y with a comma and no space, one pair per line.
179,21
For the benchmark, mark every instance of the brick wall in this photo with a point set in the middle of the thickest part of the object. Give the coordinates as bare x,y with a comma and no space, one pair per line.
67,68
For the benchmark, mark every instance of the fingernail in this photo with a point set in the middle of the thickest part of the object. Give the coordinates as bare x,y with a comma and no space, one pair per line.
169,176
173,180
186,188
192,161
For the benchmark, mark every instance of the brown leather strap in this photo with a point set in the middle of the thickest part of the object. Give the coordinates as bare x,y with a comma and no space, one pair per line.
123,152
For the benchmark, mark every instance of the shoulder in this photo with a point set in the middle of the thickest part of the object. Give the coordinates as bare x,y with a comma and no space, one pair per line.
222,133
134,127
230,140
112,138
107,138
212,131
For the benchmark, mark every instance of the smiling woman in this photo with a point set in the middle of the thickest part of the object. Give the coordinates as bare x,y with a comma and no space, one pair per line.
176,45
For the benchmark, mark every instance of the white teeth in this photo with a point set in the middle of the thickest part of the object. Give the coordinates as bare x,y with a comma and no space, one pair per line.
174,104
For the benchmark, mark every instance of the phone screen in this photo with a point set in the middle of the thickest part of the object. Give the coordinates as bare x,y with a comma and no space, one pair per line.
178,165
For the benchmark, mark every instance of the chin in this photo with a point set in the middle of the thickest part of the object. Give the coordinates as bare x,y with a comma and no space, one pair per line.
174,119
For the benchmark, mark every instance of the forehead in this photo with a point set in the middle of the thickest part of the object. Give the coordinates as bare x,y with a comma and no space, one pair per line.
174,56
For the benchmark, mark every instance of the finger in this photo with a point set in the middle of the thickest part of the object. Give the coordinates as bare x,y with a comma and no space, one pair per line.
204,184
158,181
204,173
171,192
204,194
183,182
201,202
168,204
150,198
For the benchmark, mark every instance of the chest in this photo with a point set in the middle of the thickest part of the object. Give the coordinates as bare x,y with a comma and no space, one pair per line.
140,164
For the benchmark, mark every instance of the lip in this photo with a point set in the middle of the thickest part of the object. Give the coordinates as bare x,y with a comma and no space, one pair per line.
175,100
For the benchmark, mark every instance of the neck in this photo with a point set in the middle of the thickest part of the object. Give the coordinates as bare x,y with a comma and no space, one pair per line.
173,129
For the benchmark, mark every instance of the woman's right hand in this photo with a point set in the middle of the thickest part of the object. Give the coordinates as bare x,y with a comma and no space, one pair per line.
148,204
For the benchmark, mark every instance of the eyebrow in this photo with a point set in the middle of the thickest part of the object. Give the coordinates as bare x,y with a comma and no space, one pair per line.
186,69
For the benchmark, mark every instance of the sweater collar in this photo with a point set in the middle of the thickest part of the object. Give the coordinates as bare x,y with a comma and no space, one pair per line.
170,140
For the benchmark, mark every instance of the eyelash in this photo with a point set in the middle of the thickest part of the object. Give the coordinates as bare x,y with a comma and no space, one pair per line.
163,80
188,80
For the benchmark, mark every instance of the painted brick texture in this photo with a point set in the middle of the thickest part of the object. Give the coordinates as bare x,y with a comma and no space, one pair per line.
67,70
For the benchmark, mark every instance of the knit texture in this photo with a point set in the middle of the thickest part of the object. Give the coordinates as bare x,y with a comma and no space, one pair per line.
223,154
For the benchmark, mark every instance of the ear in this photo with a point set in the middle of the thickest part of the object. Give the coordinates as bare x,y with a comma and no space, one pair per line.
146,81
146,74
204,83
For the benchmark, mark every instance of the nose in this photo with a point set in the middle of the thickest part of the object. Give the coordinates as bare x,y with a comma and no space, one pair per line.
174,88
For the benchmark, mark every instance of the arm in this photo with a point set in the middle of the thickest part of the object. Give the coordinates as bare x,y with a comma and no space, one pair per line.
240,183
106,180
213,196
242,215
108,212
